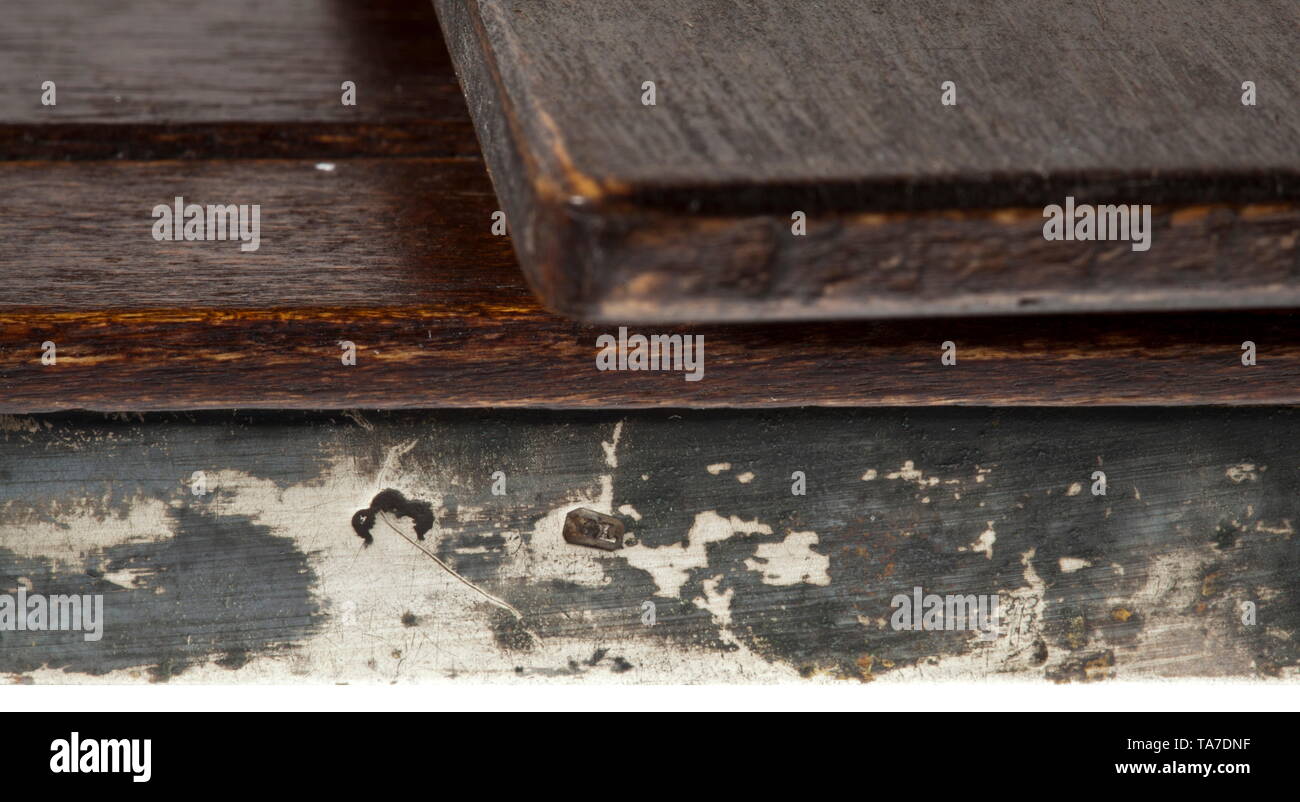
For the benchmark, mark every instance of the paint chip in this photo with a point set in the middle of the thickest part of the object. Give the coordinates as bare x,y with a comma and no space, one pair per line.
611,448
1241,473
792,561
985,542
670,566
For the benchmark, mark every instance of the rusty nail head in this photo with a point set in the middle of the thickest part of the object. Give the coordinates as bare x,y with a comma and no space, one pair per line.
584,527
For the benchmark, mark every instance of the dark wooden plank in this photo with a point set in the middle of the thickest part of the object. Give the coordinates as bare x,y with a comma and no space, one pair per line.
356,232
682,211
262,578
497,356
146,79
398,257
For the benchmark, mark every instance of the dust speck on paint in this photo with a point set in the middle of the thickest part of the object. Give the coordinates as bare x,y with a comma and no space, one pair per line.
718,467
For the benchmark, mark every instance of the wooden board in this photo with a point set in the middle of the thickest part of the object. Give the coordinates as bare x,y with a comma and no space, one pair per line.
682,210
377,230
261,578
144,79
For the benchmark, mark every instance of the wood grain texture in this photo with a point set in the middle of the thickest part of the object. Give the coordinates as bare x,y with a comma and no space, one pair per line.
397,256
392,249
367,232
262,578
147,79
681,211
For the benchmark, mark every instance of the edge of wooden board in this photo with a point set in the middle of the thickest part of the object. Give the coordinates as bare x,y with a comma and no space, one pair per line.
967,245
183,359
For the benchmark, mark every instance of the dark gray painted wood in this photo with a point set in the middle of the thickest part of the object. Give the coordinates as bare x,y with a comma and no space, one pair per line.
263,578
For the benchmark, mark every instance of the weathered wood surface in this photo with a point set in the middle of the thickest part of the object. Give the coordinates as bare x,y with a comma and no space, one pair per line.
681,211
264,580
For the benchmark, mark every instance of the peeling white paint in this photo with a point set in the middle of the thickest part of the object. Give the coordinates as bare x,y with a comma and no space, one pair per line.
1243,472
910,473
717,604
84,530
984,544
1285,528
611,448
366,591
1069,565
358,645
547,556
19,423
669,566
791,561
